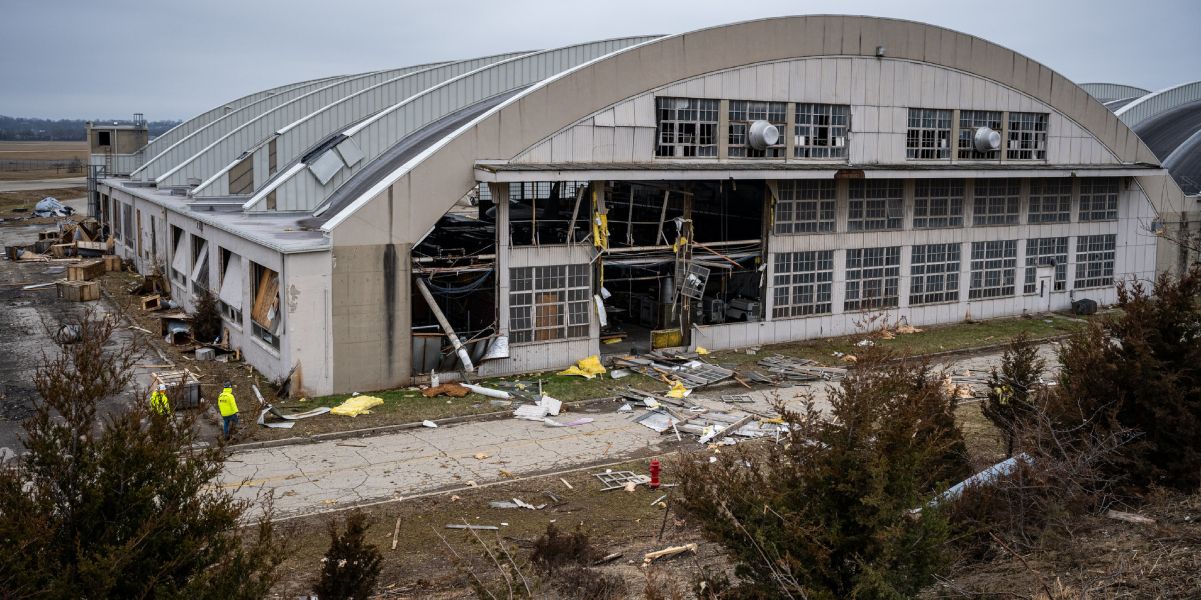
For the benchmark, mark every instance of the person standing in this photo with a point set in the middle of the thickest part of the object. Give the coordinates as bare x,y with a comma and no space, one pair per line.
228,407
159,402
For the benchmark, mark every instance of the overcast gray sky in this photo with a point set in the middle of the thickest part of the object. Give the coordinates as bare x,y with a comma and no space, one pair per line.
171,59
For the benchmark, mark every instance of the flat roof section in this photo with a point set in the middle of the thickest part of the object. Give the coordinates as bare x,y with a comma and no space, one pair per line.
280,232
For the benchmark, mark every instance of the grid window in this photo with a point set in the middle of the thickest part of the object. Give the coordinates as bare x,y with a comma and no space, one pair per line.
1094,260
1050,200
997,202
969,121
1044,252
821,130
934,274
873,276
1099,199
745,112
875,205
1027,136
929,133
994,268
687,127
805,206
803,283
938,203
549,303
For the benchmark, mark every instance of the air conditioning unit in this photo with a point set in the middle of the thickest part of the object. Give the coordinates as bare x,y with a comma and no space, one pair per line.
715,310
986,140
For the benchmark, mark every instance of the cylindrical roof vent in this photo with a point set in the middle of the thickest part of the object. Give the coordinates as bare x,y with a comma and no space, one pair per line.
986,140
763,134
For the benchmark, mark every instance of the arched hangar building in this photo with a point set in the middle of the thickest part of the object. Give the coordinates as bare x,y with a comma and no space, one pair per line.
752,183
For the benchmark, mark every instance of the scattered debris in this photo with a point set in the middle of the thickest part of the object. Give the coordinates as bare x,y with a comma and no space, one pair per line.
430,424
480,456
575,423
1129,517
453,390
489,392
615,480
474,527
585,367
667,552
357,405
396,533
608,558
619,373
288,420
566,484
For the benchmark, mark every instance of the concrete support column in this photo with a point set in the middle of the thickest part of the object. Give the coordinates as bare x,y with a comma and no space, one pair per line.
500,196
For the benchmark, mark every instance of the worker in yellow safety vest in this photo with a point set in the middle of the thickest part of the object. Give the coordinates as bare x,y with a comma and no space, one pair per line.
228,407
159,402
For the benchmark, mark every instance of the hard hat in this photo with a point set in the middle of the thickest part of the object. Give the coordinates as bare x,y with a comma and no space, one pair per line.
228,384
162,387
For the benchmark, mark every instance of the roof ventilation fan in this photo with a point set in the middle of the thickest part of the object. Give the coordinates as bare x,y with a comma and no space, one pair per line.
763,134
986,140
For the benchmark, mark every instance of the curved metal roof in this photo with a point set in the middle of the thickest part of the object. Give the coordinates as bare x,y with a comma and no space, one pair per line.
1107,92
563,99
1162,101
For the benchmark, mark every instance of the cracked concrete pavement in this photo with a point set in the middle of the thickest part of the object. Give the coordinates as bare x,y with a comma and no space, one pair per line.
311,478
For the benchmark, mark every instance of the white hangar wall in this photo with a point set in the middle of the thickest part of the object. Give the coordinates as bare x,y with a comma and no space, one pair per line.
879,92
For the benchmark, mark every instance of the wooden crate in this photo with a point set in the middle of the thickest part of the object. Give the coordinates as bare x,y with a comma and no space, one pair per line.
62,250
152,302
112,263
79,291
85,271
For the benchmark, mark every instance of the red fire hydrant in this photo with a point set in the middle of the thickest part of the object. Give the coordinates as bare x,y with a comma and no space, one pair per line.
654,474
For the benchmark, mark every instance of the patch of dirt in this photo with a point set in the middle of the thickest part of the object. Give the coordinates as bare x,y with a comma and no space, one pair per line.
1103,558
422,565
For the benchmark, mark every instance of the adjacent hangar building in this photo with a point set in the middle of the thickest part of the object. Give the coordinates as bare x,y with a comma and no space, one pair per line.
759,182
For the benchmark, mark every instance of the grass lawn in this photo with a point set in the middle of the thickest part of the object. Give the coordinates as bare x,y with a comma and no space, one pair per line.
931,340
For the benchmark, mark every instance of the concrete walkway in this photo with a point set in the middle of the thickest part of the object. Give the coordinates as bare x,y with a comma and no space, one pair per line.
309,478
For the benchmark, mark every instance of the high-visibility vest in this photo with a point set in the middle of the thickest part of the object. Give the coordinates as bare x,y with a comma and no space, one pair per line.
226,403
159,403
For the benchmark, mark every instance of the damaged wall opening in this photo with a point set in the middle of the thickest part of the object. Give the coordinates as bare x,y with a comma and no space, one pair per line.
455,267
679,254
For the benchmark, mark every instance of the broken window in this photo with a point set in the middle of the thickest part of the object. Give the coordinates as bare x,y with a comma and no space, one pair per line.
1099,199
127,225
875,205
1027,136
744,112
821,130
200,264
117,219
929,134
803,283
1043,252
1050,200
541,212
934,274
997,202
805,206
230,295
1094,260
265,316
969,122
873,278
179,257
994,269
104,138
937,203
549,303
687,127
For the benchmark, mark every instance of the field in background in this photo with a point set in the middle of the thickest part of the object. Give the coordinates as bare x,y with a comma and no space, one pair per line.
13,157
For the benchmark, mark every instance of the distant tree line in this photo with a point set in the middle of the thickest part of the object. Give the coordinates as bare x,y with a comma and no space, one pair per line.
23,129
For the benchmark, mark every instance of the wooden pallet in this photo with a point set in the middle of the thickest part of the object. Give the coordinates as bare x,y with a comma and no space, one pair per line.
85,271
